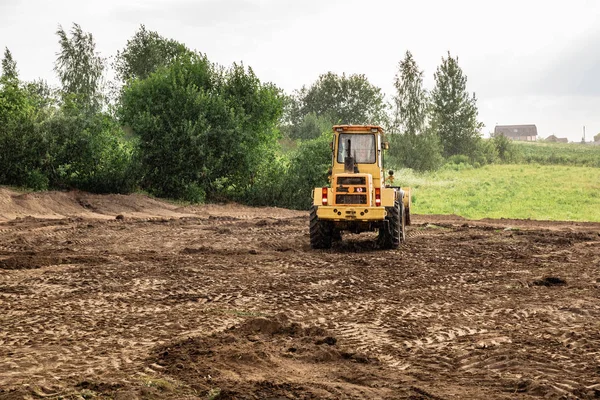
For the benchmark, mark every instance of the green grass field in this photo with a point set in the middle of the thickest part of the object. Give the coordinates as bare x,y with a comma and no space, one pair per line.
558,153
541,192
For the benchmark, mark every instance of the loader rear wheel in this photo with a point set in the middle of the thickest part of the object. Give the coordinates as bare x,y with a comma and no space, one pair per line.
320,231
394,232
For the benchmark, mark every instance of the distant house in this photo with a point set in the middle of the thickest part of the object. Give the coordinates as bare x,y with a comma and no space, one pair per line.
517,132
555,139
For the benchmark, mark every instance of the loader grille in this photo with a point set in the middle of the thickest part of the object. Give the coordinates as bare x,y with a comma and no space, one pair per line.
351,180
350,199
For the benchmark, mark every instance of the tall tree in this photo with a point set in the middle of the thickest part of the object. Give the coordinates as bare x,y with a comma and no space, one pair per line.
410,100
79,67
9,67
412,145
145,52
342,99
454,111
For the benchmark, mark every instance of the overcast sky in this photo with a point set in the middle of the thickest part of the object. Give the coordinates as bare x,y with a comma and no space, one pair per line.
528,61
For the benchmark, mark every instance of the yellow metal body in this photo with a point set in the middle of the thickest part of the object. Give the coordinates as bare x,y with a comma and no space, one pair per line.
352,196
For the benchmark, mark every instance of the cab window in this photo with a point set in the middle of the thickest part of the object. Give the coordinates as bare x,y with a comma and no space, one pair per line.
362,148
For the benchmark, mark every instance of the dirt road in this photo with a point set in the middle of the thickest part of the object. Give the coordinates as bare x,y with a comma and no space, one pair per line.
230,302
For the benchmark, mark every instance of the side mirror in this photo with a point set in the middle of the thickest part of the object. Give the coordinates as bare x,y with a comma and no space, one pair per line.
329,171
386,145
391,172
331,145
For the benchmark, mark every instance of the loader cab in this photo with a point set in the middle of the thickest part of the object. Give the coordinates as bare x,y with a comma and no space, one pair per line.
358,149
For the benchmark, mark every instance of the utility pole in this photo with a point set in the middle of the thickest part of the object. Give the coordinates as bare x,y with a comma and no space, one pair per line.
583,139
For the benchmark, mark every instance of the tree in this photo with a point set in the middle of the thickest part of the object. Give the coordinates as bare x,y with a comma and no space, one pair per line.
410,100
145,53
9,67
341,99
21,146
310,127
202,130
79,68
453,111
88,151
42,96
412,145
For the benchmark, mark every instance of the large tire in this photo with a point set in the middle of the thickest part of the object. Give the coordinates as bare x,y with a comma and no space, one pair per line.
320,231
394,232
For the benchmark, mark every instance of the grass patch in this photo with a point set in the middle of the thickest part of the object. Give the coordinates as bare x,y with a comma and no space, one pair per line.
541,192
159,383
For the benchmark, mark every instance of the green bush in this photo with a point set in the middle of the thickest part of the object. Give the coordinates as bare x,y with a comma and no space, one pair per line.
507,151
22,144
88,152
36,180
458,159
308,169
485,153
269,186
200,126
421,152
288,180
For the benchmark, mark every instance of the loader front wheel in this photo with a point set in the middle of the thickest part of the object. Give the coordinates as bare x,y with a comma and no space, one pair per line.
320,231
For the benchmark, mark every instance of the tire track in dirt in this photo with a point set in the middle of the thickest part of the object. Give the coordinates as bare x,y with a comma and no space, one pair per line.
455,309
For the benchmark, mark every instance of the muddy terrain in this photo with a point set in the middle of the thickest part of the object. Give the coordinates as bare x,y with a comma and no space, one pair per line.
127,297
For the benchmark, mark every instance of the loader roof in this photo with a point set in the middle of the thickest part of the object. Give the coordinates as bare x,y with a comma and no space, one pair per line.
357,128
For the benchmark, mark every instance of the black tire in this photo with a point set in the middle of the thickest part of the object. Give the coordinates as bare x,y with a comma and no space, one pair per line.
393,233
320,231
407,216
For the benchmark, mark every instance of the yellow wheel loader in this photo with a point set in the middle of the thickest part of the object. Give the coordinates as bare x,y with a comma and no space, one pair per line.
360,198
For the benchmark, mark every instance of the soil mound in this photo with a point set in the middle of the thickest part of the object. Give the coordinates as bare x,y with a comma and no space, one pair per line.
266,358
53,205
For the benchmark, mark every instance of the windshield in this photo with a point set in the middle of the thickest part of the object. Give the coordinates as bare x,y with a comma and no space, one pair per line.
362,148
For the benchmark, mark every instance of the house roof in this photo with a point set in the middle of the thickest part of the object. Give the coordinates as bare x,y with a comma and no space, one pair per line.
516,130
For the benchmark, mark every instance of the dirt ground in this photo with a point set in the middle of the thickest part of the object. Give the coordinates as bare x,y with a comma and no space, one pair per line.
128,297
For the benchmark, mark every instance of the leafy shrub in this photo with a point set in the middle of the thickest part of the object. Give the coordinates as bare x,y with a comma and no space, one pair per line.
458,159
308,169
36,180
507,151
269,187
485,153
88,152
200,126
22,145
421,152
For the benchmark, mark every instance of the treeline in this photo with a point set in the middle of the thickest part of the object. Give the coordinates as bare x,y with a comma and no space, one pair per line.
177,125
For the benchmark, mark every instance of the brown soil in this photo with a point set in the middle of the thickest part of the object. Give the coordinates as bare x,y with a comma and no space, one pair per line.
229,302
